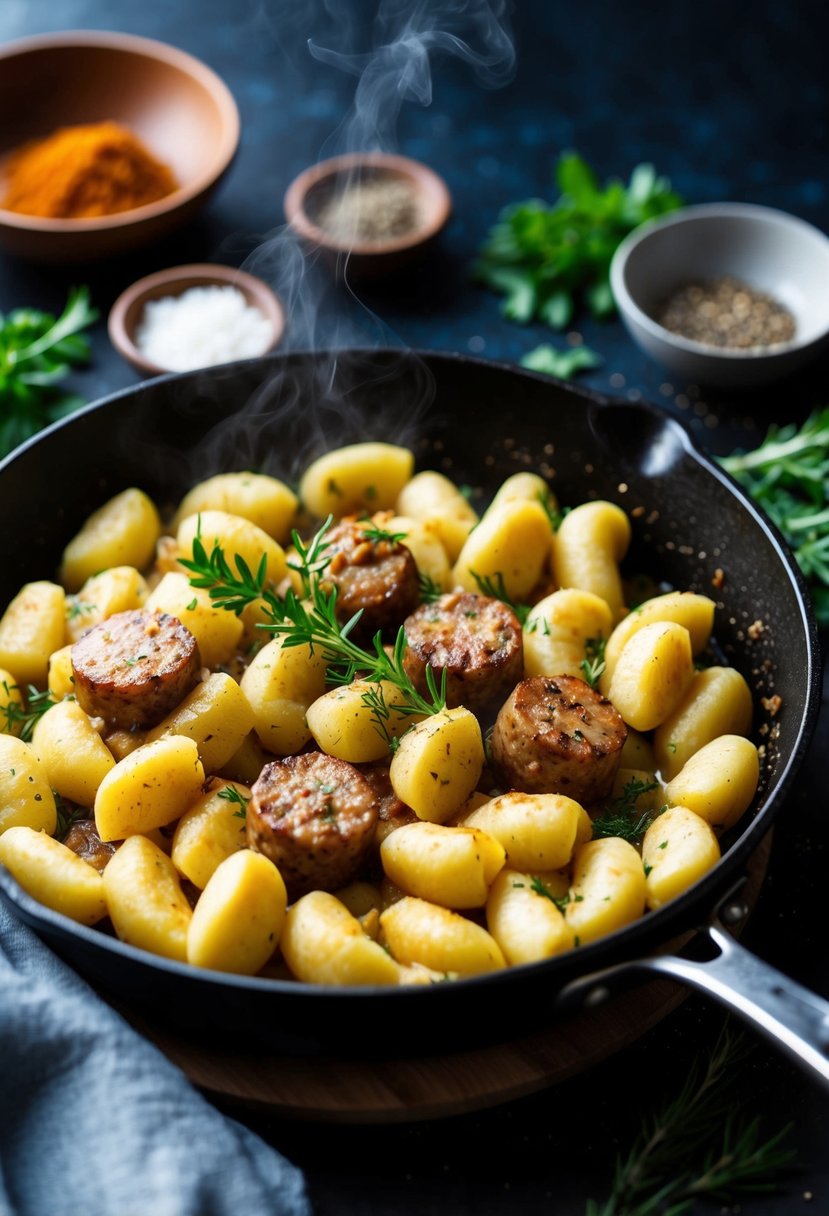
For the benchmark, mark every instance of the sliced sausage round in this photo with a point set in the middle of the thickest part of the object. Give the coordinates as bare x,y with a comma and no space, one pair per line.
134,668
556,734
373,574
314,816
476,639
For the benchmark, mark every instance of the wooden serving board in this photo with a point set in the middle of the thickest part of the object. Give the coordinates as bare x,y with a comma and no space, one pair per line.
427,1087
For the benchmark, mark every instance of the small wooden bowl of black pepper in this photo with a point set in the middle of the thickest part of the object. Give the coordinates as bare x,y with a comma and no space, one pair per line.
727,295
369,212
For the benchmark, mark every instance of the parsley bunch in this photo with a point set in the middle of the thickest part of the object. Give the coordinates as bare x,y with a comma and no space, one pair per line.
37,351
788,476
549,258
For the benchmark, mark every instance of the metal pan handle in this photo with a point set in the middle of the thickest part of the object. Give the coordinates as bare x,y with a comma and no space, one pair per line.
794,1018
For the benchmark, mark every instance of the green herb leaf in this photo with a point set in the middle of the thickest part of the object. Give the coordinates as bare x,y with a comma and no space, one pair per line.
593,664
548,259
788,476
622,816
561,363
36,352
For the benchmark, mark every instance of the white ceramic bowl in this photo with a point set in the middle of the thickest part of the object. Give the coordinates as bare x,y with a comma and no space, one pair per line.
770,250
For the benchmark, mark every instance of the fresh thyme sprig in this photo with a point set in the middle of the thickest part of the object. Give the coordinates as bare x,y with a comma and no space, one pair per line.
231,794
696,1146
495,587
67,816
788,475
22,719
622,817
593,663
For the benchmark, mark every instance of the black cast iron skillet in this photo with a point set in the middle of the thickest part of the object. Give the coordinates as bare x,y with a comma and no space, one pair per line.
478,422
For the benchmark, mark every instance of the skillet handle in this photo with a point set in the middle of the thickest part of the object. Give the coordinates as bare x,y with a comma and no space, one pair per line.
787,1013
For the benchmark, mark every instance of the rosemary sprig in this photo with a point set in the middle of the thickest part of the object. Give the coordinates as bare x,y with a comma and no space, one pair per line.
495,587
312,621
593,663
622,817
696,1146
429,589
22,719
68,816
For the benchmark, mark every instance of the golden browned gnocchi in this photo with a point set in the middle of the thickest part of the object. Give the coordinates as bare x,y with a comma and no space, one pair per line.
303,806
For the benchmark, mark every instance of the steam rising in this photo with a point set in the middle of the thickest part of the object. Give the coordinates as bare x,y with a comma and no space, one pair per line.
324,314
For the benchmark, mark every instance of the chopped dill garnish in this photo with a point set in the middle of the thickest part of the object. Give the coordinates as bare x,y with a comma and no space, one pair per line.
593,663
495,587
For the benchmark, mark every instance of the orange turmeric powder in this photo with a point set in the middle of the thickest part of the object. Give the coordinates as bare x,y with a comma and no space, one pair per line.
82,171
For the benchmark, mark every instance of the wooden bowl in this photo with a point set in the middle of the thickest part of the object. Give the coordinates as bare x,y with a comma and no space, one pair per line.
127,311
309,194
180,109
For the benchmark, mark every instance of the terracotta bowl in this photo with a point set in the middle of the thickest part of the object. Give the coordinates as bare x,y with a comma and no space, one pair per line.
180,109
127,311
309,194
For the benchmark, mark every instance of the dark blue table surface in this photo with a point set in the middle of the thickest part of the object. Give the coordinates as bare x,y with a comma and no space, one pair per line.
730,101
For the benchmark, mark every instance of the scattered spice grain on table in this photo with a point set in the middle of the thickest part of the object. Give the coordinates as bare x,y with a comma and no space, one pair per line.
726,312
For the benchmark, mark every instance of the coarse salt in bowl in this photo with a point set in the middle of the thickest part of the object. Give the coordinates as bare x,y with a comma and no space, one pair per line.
189,317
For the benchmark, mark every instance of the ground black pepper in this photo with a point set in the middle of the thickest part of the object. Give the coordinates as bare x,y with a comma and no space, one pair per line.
375,209
726,312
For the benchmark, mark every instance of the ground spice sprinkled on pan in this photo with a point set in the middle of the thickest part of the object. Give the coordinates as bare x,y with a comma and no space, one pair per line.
375,209
726,312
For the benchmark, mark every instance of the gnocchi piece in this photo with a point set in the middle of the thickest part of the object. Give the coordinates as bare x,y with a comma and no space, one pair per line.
322,943
216,715
686,608
237,537
588,546
123,532
719,781
53,875
26,798
210,830
436,500
31,628
652,674
358,477
678,848
118,589
718,702
538,831
60,680
265,501
558,628
343,723
74,755
438,763
361,898
247,761
147,906
526,487
524,919
451,866
607,890
417,931
280,683
238,919
149,788
513,543
217,632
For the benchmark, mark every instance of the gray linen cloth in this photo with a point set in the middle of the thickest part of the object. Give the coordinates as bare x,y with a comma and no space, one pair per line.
94,1121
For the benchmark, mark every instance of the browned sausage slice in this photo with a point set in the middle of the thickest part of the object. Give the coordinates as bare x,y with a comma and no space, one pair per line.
134,667
392,813
557,735
475,638
373,574
315,817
